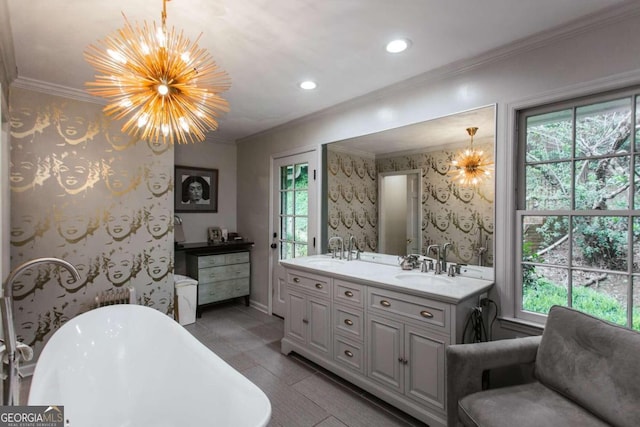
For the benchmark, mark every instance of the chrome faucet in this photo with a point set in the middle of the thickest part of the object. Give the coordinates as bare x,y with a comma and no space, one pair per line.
444,251
7,317
339,239
352,245
481,252
438,266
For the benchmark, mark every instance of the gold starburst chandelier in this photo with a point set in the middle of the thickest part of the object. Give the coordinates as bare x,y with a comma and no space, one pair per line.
167,87
471,166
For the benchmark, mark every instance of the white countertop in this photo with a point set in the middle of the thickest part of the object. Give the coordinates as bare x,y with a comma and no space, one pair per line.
384,275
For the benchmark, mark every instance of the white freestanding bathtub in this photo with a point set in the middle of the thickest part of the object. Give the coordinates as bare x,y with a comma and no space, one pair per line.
130,365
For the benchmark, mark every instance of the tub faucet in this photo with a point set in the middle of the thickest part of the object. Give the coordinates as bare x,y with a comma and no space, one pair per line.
339,240
7,317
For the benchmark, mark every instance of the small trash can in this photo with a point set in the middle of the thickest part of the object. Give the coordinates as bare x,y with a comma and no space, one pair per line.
186,290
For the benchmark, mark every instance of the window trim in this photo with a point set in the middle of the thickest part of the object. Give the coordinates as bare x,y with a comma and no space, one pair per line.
519,115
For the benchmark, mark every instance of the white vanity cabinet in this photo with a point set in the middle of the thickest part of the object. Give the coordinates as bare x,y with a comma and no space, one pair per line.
348,325
387,339
308,315
407,337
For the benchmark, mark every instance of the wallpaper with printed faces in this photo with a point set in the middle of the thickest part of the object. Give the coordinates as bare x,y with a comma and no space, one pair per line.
83,191
450,212
352,190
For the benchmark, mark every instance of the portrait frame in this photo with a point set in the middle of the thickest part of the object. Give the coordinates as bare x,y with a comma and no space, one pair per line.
186,176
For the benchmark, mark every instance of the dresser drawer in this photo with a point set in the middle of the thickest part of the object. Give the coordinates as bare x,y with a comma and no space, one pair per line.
318,285
348,293
205,261
224,272
348,354
348,321
219,291
420,309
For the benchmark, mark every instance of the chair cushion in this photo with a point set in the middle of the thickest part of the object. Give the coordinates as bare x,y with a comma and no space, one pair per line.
592,362
524,405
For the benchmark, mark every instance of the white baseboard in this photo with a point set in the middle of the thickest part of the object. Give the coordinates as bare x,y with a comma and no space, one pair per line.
258,306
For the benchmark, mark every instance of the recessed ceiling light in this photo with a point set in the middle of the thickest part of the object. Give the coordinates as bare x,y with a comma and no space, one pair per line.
308,85
397,46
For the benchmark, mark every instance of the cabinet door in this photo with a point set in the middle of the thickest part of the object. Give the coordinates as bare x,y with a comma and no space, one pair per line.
319,325
294,322
424,372
384,361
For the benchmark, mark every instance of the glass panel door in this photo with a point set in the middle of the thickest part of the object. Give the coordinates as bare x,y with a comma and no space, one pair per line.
294,210
294,218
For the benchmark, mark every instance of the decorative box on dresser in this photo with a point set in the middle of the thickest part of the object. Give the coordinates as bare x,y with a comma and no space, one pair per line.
387,339
223,272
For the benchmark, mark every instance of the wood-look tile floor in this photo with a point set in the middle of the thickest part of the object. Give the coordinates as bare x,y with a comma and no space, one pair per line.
301,392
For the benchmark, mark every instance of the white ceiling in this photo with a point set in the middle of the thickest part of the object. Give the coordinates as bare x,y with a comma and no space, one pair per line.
269,46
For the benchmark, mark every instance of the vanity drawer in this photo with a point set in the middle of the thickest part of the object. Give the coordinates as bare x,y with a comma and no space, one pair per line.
348,293
223,272
219,291
348,321
318,285
423,310
223,259
348,354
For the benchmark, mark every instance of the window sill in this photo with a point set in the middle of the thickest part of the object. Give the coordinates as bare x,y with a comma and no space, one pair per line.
520,326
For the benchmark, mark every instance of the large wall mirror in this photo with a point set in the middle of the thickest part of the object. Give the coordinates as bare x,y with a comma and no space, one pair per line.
396,193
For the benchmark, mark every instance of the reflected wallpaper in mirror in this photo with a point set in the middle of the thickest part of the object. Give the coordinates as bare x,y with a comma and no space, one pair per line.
463,216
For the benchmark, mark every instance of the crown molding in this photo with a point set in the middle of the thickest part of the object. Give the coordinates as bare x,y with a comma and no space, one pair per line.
56,90
609,16
571,29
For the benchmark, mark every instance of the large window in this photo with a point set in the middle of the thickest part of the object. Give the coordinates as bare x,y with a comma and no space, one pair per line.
578,213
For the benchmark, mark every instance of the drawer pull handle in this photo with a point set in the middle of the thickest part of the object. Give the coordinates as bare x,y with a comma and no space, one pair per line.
319,285
348,353
348,322
425,313
296,280
348,293
385,303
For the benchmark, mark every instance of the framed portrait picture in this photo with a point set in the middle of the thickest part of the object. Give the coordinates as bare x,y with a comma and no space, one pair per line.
196,189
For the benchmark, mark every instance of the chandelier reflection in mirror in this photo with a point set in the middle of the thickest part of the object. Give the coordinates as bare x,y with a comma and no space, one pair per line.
165,86
471,166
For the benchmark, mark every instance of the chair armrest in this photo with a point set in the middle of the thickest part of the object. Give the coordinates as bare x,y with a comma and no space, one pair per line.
467,362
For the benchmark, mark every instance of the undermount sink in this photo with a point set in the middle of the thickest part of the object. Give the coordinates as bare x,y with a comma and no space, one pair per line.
423,279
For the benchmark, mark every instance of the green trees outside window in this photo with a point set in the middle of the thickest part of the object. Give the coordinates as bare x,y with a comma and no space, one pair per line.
579,223
294,196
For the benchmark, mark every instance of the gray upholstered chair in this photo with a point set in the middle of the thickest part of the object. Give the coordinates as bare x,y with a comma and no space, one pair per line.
586,373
